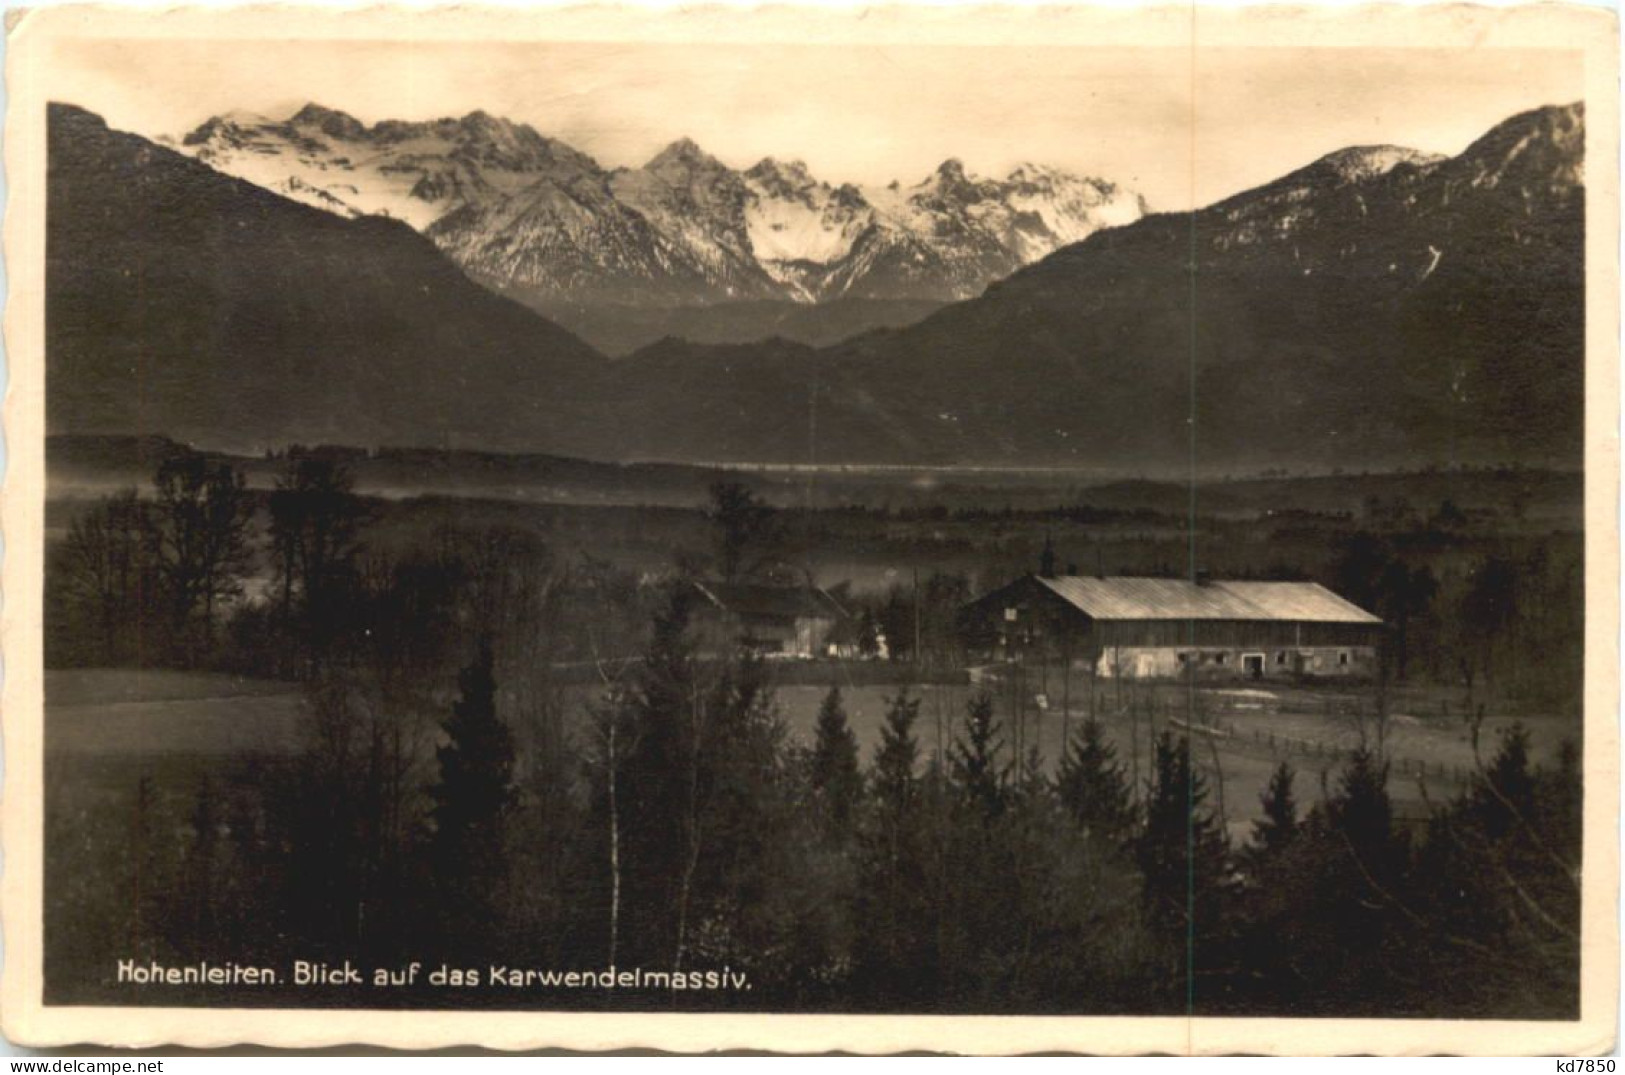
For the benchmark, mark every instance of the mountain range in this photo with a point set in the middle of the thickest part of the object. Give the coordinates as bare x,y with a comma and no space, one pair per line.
544,223
1379,307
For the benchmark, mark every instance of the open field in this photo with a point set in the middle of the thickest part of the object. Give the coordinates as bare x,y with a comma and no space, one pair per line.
1254,730
131,713
181,809
211,723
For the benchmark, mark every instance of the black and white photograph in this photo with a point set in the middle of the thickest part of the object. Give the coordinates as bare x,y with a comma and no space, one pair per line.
863,523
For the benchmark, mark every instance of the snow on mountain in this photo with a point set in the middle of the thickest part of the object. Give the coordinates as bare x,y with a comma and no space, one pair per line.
791,217
698,203
414,172
568,237
946,237
1071,207
544,222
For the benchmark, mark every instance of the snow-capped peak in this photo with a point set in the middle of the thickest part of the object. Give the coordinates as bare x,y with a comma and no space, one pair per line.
232,124
329,121
950,175
512,205
684,154
1027,171
792,175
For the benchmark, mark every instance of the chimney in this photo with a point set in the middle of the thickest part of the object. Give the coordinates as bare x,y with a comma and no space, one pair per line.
1046,562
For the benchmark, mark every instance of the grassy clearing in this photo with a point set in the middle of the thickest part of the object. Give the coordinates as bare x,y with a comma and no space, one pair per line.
218,720
129,713
1430,747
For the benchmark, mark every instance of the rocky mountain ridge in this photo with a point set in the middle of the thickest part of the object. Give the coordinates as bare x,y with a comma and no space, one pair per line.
538,220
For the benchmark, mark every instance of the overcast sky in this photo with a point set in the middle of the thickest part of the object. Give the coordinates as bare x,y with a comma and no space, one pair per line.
874,113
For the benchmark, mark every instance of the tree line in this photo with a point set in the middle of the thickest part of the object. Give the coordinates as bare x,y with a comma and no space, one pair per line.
683,829
456,799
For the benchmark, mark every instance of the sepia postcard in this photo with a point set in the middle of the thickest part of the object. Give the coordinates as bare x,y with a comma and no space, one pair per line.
977,529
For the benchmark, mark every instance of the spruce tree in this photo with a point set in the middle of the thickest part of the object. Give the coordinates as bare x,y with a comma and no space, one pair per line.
1497,886
1093,786
896,928
1284,861
1506,795
1182,856
836,780
1361,816
894,784
1279,825
1356,909
476,773
472,804
979,777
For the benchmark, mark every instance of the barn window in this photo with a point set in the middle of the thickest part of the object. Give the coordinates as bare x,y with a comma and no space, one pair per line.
1219,658
1010,614
1184,658
1280,657
1343,657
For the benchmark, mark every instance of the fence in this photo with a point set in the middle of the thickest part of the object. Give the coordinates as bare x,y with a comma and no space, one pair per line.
1283,746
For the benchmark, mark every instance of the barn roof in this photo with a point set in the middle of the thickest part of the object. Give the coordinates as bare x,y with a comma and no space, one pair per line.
1116,597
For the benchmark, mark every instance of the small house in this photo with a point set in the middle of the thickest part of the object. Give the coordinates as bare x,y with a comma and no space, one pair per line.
773,621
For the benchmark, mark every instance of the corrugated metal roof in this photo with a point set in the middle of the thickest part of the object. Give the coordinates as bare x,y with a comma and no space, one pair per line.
1117,597
1302,602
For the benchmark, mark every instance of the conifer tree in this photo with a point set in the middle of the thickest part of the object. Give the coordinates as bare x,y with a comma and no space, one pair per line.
476,777
896,928
836,779
1349,900
1506,795
979,776
1093,786
1361,816
895,785
1182,856
1279,825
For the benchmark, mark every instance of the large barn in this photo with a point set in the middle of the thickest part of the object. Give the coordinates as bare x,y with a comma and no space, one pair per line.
1148,628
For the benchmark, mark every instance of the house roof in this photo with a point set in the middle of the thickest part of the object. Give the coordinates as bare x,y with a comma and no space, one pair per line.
787,602
1117,597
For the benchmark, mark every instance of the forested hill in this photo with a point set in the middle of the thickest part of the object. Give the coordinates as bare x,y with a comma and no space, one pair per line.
1372,308
184,302
1377,308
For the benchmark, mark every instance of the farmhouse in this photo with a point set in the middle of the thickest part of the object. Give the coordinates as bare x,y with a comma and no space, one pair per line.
1148,628
774,621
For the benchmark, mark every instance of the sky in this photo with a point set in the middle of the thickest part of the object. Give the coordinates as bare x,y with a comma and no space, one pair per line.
1182,127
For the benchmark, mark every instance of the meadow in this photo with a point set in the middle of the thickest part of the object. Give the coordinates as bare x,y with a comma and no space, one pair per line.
252,752
126,724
